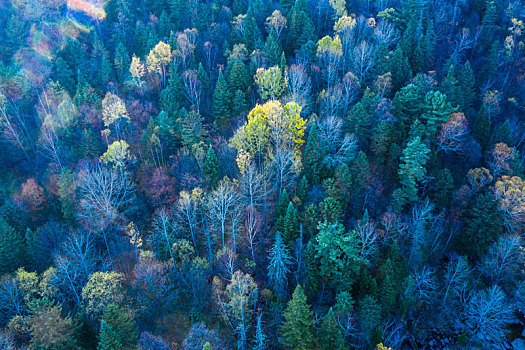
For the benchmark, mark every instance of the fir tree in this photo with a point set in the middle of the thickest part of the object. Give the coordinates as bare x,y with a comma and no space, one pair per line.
121,326
107,338
290,224
400,68
221,102
330,337
297,329
211,167
481,129
260,341
313,156
278,267
12,247
412,169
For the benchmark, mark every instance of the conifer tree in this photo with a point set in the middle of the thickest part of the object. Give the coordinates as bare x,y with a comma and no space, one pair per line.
211,167
313,156
221,102
278,267
466,84
290,224
107,338
437,111
122,326
330,337
297,329
260,342
12,247
400,68
481,129
412,168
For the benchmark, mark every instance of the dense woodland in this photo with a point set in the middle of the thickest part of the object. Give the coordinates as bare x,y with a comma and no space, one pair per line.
234,174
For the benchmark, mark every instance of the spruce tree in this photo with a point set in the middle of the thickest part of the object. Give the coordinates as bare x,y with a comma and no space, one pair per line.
313,156
260,341
437,111
107,338
297,329
483,225
467,84
278,267
330,337
12,248
211,167
400,68
481,129
221,102
408,105
290,224
412,168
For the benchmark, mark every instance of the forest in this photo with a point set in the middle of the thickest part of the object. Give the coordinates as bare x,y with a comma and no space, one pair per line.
262,174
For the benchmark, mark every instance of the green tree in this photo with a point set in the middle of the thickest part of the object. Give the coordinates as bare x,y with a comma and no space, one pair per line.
313,156
437,111
334,256
211,167
48,329
482,126
122,325
330,337
408,105
467,83
290,224
297,328
221,102
368,315
107,338
12,247
483,225
400,68
412,168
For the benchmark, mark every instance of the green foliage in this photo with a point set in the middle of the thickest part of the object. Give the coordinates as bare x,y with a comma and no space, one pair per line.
221,102
120,326
412,168
297,328
12,247
334,256
211,167
107,338
330,334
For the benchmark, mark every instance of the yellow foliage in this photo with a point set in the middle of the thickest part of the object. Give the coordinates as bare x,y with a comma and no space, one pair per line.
158,57
117,154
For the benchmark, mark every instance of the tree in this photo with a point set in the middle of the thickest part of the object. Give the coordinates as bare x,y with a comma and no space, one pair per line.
271,83
137,71
49,330
211,167
510,192
331,242
278,267
114,111
297,328
120,325
157,60
483,224
501,264
412,169
487,317
102,288
437,111
276,22
12,248
236,304
260,341
118,154
221,101
107,338
330,335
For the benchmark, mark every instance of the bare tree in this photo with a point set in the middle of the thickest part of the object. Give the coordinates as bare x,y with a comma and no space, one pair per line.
341,147
221,204
299,86
192,88
362,59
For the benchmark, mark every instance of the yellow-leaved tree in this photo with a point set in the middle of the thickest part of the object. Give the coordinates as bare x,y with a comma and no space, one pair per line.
158,58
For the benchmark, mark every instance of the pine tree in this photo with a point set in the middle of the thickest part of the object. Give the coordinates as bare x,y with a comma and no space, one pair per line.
488,25
450,87
368,315
290,224
483,225
443,187
107,338
211,167
221,102
467,83
297,329
121,61
407,106
481,129
278,266
437,111
400,68
172,94
238,77
12,248
122,326
330,337
412,168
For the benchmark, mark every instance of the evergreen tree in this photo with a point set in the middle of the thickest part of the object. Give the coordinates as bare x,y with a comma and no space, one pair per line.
290,224
172,94
330,337
443,188
211,167
482,126
412,169
483,225
121,325
467,83
107,338
297,329
278,266
260,341
437,111
407,106
238,77
221,102
400,68
12,247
